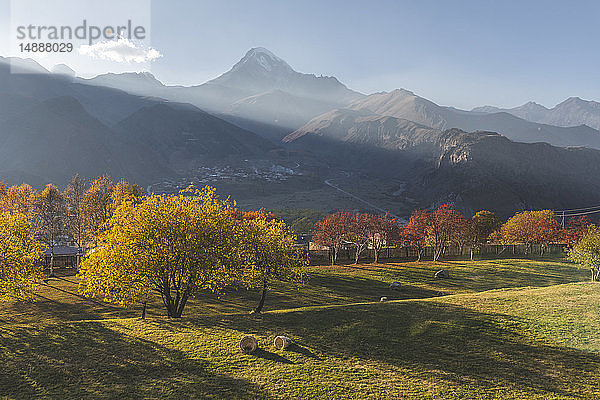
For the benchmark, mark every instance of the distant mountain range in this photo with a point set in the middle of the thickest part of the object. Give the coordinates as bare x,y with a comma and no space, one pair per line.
404,104
132,125
264,94
52,126
571,112
259,90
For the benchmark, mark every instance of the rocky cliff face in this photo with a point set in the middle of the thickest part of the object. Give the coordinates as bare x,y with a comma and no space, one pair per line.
477,170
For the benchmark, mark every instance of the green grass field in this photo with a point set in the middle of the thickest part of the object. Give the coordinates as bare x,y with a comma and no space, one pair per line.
497,329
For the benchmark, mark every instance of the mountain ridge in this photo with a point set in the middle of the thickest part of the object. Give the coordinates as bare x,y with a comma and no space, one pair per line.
258,73
405,104
571,112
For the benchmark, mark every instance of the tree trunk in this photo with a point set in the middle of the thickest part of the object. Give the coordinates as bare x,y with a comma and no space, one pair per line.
261,302
144,311
437,252
78,256
51,263
471,249
181,305
170,304
170,310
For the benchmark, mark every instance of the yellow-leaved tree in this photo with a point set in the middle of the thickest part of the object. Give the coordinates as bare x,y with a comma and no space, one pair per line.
49,212
97,206
17,199
20,257
271,253
174,246
125,191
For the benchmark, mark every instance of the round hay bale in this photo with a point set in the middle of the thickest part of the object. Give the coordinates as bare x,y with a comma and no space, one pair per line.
383,299
281,342
248,344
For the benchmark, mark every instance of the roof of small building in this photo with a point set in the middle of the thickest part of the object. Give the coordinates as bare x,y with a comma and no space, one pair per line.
61,251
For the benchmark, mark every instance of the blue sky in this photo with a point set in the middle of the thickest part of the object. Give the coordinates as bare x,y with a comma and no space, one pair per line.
459,53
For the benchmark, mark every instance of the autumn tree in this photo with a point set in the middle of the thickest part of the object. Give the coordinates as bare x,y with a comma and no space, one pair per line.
441,228
482,225
332,231
50,219
414,232
97,206
18,199
75,217
254,214
174,246
575,230
587,251
359,233
20,257
124,191
531,227
269,253
381,228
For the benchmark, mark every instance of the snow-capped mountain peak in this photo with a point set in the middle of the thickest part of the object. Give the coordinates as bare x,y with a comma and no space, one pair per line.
262,58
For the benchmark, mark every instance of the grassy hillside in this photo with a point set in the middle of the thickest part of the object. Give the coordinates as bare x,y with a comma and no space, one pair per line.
510,343
58,299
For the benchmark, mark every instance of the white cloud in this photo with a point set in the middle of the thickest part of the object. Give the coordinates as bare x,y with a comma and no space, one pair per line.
120,50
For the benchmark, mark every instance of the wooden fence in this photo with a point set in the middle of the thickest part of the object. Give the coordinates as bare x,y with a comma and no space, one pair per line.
346,255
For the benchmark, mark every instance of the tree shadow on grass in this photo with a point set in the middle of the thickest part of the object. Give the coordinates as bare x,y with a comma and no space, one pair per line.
296,348
267,355
451,344
89,360
332,289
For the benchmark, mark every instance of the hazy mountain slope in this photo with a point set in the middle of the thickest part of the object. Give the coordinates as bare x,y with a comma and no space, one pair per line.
106,104
362,127
182,134
259,90
55,138
407,105
571,112
47,131
277,108
474,169
132,82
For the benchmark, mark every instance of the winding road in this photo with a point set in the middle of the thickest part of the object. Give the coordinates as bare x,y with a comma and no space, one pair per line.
368,203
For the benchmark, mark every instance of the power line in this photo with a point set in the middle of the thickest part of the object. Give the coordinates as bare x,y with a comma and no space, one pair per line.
577,214
597,208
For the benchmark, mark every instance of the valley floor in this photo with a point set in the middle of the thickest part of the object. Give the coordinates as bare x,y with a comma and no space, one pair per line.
497,329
